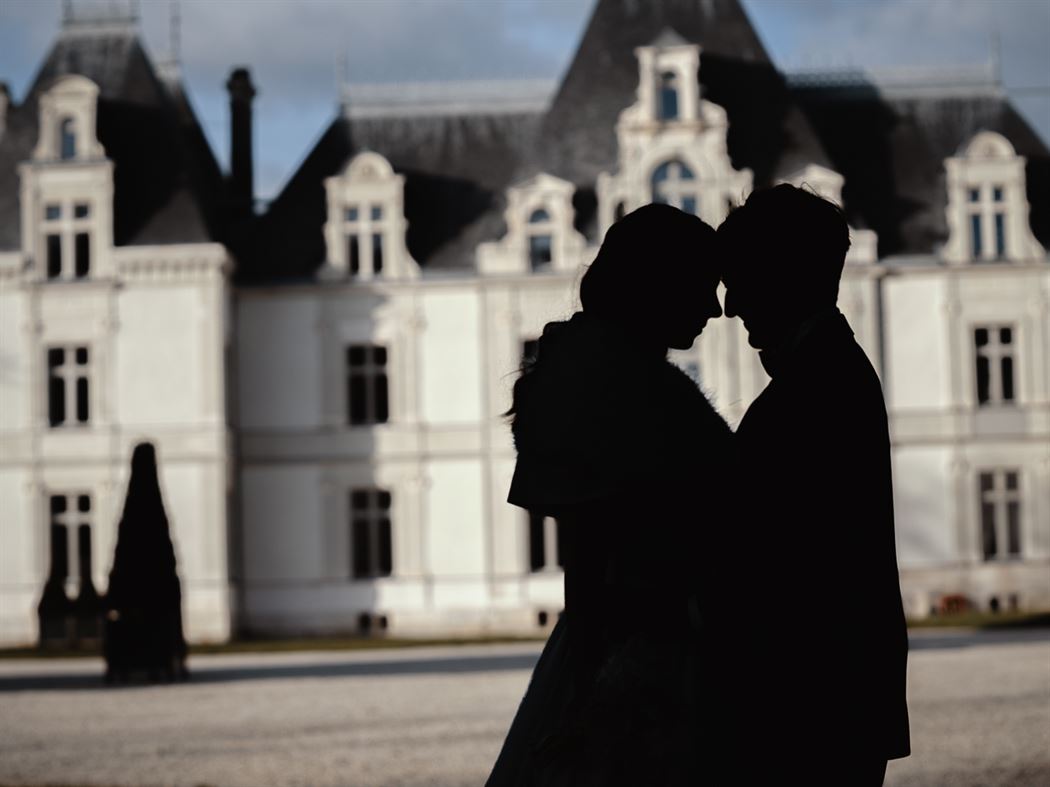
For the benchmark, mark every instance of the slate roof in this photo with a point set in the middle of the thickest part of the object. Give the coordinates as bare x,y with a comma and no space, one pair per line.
890,146
458,167
168,187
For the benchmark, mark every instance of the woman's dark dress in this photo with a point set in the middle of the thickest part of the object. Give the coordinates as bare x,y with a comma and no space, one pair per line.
625,451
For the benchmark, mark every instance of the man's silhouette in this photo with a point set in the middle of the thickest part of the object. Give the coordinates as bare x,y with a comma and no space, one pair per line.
821,671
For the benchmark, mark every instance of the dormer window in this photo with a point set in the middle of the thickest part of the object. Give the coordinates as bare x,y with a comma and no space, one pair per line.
987,208
366,227
66,241
540,235
67,143
669,96
541,240
673,183
364,240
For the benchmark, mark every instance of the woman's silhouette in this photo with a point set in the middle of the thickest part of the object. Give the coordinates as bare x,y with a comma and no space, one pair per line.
625,452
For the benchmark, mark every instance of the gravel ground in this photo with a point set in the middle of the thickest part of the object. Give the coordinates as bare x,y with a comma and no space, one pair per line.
980,706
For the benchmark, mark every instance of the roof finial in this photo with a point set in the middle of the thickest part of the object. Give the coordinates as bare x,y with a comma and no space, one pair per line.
175,30
342,76
995,65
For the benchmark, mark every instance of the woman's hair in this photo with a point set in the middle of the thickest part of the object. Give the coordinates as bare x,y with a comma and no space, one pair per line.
645,255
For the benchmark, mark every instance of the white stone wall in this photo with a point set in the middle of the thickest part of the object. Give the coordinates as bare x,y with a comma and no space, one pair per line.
155,337
943,439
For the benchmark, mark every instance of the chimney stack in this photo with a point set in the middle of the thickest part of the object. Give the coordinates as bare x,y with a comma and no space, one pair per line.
5,101
242,188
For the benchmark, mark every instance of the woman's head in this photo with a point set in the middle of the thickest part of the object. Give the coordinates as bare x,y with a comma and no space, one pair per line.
656,275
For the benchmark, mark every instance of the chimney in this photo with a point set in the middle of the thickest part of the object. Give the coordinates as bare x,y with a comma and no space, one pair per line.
242,189
5,101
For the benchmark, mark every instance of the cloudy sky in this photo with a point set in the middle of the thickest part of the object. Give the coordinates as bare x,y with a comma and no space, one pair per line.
292,45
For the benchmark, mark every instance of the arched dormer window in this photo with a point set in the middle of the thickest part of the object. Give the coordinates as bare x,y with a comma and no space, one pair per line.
987,207
668,96
673,183
67,139
540,235
541,240
365,232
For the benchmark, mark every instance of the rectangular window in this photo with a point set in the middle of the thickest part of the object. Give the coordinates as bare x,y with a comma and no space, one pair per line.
994,349
82,255
353,254
1000,235
370,537
540,252
68,386
377,213
689,205
997,194
52,212
377,253
367,387
59,546
70,520
975,195
530,351
546,543
81,211
975,235
351,214
999,500
54,256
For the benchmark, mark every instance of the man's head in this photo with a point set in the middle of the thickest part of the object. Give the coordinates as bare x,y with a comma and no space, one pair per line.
782,254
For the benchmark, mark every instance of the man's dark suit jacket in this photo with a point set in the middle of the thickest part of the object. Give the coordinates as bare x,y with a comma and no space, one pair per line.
826,649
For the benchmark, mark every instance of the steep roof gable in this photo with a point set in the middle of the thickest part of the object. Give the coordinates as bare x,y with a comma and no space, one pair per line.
767,133
159,152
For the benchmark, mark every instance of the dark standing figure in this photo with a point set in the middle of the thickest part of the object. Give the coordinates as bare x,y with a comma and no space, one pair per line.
622,449
821,671
144,601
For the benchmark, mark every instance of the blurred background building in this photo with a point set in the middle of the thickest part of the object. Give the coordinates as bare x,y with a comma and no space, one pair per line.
324,380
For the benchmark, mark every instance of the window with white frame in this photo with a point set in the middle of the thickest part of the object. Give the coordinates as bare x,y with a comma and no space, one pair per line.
364,230
988,207
546,543
673,183
540,234
987,222
366,384
70,534
994,350
668,95
67,139
1000,506
68,386
371,547
66,230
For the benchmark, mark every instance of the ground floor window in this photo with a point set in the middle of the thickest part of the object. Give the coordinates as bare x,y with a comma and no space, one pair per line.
371,552
999,498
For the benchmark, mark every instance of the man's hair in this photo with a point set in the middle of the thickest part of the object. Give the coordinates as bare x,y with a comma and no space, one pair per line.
795,236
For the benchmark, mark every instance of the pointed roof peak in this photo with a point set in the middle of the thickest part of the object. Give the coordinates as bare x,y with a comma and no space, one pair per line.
669,37
99,19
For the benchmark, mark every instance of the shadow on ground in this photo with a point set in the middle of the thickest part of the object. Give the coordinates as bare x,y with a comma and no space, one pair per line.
210,674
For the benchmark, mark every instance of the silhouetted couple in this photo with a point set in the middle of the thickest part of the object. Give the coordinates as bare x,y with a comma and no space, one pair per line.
732,604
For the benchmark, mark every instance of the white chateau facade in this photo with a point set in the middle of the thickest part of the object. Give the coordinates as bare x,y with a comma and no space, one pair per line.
332,452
